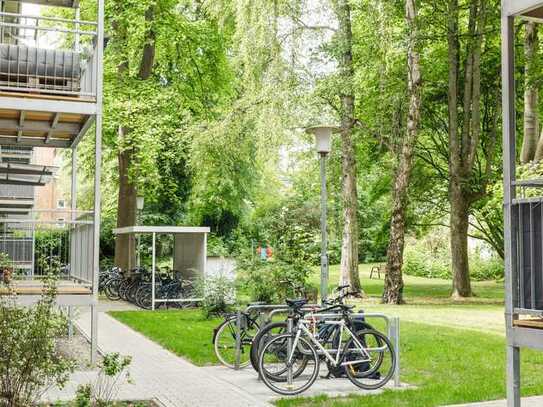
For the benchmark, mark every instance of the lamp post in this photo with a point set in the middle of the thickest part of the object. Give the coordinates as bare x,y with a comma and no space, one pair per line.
140,201
323,136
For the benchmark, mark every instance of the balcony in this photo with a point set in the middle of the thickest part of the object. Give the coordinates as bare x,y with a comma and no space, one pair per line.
48,74
47,55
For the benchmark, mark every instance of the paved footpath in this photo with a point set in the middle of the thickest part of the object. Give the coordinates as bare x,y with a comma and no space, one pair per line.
526,402
157,373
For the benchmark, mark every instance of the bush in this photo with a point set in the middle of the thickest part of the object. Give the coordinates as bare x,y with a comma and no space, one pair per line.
218,292
430,257
29,361
113,369
272,281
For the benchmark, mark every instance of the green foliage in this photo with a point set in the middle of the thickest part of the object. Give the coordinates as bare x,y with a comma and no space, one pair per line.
271,281
30,363
430,257
218,292
103,390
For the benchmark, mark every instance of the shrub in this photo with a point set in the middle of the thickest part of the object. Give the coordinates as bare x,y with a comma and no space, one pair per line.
218,292
29,362
430,257
113,369
272,281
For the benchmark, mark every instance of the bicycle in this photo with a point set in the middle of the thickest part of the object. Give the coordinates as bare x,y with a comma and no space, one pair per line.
327,333
224,338
292,360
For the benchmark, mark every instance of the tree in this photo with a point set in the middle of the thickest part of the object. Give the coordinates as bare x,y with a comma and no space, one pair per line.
125,246
349,248
465,128
531,97
394,281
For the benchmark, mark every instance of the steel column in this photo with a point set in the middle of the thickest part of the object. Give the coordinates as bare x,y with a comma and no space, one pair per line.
324,235
509,162
153,271
97,175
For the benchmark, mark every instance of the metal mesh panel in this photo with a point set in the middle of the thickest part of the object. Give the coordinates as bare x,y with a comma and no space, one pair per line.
529,254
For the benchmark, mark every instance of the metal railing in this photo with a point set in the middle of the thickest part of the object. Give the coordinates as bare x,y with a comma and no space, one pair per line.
48,54
59,240
527,222
392,326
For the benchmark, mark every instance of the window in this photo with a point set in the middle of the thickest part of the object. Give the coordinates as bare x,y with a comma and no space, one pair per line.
61,204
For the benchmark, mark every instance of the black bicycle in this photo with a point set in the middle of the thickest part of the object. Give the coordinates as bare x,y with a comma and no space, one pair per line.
224,338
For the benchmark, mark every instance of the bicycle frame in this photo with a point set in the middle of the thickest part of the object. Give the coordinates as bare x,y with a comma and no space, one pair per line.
302,328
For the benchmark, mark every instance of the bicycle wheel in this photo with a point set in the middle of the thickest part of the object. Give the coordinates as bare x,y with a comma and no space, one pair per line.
111,288
123,289
144,298
267,332
369,359
225,343
280,369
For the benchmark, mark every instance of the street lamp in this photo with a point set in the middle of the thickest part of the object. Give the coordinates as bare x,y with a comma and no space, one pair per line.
140,200
323,144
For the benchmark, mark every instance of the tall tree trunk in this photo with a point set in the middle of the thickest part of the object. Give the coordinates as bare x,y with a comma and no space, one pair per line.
125,246
531,93
459,223
394,281
349,248
463,147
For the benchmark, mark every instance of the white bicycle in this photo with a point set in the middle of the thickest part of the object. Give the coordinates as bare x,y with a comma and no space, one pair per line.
289,363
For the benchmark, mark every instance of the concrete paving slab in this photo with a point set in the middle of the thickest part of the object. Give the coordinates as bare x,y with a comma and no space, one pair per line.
526,402
247,380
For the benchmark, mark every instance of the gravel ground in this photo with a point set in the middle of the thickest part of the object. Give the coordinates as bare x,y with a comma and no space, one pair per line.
77,348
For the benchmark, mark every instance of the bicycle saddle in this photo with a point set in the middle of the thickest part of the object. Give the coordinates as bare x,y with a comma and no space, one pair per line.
297,303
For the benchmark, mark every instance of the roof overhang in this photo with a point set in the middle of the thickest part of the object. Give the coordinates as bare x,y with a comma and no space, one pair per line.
56,3
531,9
172,230
26,174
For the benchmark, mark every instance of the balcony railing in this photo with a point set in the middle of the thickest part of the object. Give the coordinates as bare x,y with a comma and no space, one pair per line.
50,241
49,55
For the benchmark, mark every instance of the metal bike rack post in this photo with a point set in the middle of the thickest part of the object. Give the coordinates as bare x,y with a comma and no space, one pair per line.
238,339
394,334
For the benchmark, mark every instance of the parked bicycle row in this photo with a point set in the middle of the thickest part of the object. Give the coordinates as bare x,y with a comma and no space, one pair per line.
288,354
136,287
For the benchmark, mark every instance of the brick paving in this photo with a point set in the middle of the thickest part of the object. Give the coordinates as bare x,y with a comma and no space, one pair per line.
155,372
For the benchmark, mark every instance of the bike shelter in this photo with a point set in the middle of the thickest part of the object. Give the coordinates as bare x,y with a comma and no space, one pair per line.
189,252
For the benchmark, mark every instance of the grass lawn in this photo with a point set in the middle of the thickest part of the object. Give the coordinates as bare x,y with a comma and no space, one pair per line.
419,289
447,365
185,332
453,351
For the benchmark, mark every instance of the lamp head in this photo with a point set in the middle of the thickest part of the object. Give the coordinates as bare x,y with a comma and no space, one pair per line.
323,137
140,200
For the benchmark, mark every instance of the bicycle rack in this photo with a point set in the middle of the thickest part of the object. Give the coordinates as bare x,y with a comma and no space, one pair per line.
261,308
392,327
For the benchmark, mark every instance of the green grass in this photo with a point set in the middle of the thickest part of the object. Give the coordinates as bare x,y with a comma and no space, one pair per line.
447,366
186,333
452,351
420,289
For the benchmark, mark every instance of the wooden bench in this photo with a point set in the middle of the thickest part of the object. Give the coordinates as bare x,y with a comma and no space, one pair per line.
377,269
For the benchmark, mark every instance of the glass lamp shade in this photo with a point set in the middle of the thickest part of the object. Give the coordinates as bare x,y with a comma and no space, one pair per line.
323,138
140,200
